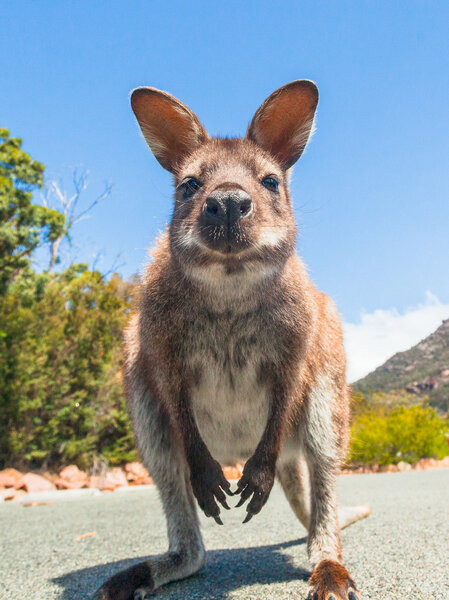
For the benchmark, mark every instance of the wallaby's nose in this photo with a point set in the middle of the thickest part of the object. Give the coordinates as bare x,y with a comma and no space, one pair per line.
227,207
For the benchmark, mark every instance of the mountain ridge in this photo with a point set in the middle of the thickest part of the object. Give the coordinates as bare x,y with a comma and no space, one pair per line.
423,370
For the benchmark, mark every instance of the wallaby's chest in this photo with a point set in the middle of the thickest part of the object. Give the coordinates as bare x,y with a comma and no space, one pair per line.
230,399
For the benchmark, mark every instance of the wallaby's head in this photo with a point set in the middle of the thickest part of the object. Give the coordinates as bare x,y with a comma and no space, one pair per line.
232,206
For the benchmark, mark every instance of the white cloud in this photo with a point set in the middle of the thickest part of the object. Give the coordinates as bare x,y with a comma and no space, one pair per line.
382,333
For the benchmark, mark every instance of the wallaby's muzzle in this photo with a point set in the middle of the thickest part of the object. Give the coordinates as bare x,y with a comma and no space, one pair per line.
221,217
226,207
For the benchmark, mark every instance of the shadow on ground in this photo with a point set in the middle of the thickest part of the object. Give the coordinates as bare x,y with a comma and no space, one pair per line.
225,571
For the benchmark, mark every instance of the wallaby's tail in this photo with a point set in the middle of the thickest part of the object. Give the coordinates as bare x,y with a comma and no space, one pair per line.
347,515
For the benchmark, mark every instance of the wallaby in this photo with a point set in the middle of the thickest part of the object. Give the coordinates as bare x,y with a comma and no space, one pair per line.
233,354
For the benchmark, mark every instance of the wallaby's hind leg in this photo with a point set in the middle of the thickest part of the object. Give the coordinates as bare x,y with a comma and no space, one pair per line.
294,478
161,453
322,443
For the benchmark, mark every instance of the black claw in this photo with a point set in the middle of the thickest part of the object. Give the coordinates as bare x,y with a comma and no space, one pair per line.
241,485
248,517
218,520
353,596
240,502
225,505
229,492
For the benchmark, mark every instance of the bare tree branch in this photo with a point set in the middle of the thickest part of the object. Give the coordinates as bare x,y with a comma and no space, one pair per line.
106,193
55,196
115,266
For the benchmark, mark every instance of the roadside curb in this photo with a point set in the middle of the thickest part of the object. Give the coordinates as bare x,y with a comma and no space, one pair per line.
56,496
134,488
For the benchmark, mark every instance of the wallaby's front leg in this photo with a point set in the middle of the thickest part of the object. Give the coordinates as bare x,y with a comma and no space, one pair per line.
259,472
206,475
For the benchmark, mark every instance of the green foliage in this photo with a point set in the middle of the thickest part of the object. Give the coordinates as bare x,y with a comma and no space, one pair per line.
61,399
381,402
386,435
23,225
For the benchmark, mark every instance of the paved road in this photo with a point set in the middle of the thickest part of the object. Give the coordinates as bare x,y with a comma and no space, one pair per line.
400,552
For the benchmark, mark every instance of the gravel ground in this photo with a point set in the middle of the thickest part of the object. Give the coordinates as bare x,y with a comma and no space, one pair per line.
400,552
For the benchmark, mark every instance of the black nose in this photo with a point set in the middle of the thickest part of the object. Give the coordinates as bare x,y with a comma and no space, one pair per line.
227,207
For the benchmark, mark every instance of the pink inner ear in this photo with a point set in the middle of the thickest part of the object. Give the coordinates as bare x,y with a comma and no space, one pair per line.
171,130
283,123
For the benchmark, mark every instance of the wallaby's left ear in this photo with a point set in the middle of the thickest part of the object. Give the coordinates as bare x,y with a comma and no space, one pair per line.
283,123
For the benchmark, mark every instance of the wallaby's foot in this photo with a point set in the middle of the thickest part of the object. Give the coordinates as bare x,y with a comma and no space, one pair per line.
139,581
123,585
331,581
143,593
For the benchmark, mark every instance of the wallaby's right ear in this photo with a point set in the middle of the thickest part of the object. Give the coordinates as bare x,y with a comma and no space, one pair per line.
283,123
171,130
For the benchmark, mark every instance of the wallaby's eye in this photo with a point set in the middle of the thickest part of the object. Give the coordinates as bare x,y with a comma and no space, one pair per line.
190,185
270,183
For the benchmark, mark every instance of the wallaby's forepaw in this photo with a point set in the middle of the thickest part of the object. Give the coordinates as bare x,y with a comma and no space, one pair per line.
331,581
256,481
124,584
209,484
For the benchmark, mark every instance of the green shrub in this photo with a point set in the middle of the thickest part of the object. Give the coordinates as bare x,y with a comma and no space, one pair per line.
61,399
382,402
401,434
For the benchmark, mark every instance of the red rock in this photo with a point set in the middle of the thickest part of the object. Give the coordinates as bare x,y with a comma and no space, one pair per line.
425,463
135,471
110,481
11,478
404,466
345,472
141,481
71,478
95,481
388,469
37,483
53,477
233,472
8,494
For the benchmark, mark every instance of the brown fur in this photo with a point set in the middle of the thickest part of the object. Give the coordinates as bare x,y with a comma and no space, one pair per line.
233,354
331,578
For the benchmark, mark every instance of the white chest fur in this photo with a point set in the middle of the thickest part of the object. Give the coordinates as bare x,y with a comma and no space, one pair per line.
231,410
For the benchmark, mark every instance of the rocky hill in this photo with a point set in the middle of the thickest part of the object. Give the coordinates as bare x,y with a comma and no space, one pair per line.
423,370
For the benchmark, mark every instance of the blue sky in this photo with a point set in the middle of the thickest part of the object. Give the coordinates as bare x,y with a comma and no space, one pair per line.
372,191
